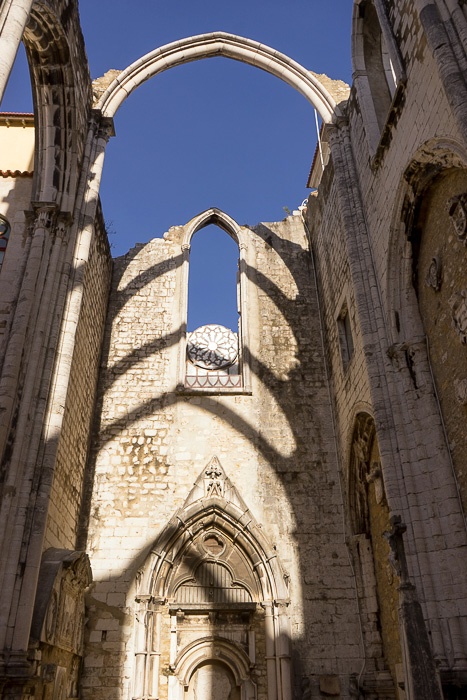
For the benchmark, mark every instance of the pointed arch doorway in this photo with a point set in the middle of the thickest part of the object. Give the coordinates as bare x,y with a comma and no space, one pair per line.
211,604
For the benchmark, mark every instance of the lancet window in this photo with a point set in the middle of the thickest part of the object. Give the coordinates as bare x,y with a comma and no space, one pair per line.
378,67
214,357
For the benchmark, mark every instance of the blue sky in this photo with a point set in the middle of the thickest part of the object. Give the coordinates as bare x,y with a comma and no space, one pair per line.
211,133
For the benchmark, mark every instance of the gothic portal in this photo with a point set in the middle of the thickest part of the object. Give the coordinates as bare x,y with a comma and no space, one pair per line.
270,511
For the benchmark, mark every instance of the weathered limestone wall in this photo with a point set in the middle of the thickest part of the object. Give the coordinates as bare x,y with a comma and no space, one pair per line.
421,138
66,494
441,297
412,127
276,445
325,226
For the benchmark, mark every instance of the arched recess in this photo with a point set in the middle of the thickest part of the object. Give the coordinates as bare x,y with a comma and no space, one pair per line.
238,619
378,68
219,44
427,289
376,581
62,103
429,162
239,235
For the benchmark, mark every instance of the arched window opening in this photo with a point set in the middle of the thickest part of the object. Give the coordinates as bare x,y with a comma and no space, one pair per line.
378,68
380,71
214,280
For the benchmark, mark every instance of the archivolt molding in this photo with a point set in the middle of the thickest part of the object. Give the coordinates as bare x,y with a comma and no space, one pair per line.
219,44
205,512
58,125
217,217
216,648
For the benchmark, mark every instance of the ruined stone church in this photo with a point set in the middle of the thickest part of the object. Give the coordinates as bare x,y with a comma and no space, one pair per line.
274,511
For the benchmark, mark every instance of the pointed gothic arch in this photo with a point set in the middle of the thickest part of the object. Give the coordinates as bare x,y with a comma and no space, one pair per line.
227,45
240,618
379,71
62,104
239,235
376,585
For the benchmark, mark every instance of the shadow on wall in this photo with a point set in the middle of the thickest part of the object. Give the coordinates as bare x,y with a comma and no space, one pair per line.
308,474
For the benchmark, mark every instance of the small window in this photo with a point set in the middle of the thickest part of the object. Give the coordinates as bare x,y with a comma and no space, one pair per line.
345,336
4,236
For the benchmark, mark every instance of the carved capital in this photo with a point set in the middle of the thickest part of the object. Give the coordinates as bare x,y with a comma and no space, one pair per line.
186,246
105,129
45,214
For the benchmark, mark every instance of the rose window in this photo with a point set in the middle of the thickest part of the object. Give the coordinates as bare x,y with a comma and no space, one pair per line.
212,347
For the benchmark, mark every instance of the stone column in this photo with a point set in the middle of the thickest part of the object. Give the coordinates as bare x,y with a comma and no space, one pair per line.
270,651
14,15
421,677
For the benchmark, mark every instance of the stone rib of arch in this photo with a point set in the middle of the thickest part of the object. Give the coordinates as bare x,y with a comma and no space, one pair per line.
219,44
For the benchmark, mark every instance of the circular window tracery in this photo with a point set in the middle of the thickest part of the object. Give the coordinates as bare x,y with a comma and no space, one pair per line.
212,347
213,544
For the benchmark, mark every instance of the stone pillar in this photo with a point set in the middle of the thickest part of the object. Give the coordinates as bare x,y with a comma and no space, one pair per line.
14,15
421,677
270,651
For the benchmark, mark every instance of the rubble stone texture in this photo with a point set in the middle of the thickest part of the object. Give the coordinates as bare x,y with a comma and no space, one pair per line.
289,526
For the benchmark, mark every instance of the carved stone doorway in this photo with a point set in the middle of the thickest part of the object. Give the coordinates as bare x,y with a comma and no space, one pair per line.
212,681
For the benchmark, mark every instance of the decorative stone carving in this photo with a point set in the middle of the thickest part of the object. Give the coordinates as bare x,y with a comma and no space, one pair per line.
457,210
434,274
396,555
460,388
212,347
214,479
458,305
376,477
59,609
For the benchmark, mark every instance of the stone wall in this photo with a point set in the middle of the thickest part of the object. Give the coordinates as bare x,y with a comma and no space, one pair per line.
66,495
440,280
276,445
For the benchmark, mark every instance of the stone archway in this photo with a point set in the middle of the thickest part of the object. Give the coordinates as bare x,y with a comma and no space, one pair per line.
223,44
212,681
212,592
